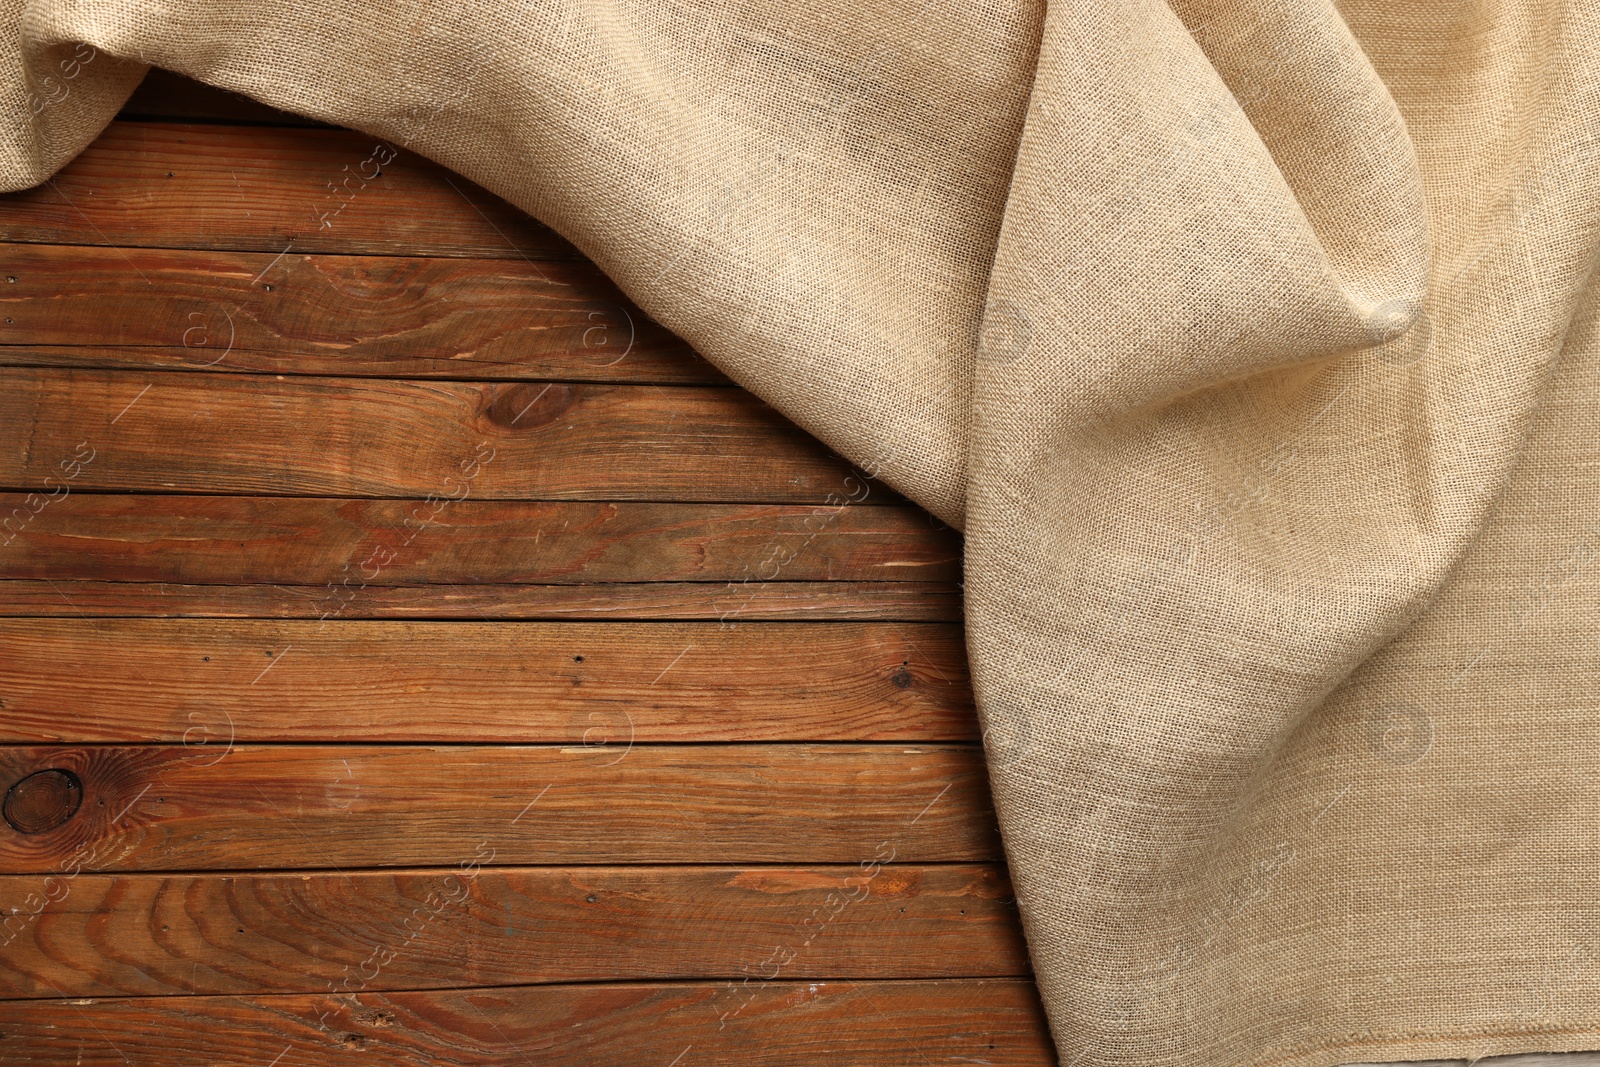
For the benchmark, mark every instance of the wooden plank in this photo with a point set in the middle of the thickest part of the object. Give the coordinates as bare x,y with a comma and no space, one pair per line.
310,541
733,602
753,1022
138,680
165,96
212,807
147,935
385,316
261,189
304,237
222,433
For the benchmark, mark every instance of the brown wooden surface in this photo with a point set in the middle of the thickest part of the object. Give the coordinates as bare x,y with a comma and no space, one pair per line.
379,316
407,648
286,933
298,541
730,602
181,807
754,1021
131,680
323,436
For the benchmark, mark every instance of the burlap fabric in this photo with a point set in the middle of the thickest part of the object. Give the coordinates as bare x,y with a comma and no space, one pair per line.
1252,345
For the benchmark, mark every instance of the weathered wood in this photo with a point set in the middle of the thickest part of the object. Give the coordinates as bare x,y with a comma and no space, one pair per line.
733,603
146,935
339,834
138,680
261,189
212,807
301,541
753,1022
42,801
386,316
247,434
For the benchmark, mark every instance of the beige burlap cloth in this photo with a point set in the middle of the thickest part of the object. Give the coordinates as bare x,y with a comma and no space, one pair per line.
1252,345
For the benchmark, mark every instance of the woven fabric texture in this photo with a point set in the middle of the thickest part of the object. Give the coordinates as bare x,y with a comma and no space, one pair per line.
1252,345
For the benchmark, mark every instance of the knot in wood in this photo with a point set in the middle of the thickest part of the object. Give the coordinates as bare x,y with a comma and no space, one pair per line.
42,801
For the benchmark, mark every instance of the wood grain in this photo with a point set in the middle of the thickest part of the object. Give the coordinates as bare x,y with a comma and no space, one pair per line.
334,315
239,434
379,450
735,602
301,541
261,189
148,935
575,683
211,807
753,1022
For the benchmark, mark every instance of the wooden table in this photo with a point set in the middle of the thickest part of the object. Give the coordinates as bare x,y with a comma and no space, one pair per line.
410,648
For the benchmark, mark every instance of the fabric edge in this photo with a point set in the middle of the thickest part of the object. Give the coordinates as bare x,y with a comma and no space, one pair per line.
1360,1051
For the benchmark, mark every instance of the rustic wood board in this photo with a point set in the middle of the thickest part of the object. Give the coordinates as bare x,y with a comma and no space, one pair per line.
380,316
218,807
729,603
438,929
299,541
409,648
145,680
755,1021
436,440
